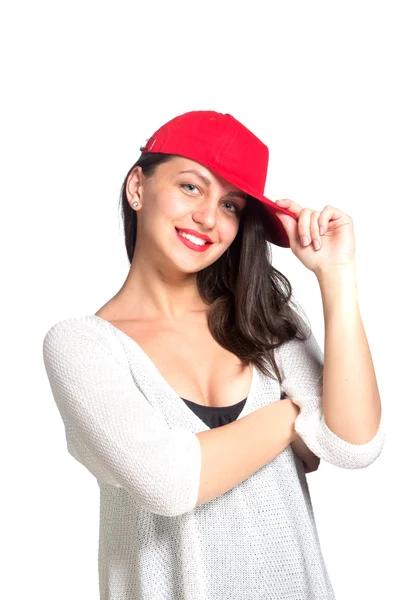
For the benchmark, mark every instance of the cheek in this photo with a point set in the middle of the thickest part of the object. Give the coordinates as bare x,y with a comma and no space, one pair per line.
174,206
165,207
228,230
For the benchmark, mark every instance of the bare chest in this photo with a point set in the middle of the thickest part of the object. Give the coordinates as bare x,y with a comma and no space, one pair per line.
194,365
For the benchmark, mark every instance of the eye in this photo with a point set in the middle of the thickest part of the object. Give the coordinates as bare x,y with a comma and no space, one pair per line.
236,206
189,185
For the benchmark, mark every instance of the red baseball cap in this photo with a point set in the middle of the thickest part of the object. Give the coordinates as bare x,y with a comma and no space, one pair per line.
221,143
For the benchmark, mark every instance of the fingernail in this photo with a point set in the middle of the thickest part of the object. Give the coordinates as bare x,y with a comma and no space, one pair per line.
321,230
317,244
305,240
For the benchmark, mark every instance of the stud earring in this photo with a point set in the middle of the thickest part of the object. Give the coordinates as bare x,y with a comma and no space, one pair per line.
135,203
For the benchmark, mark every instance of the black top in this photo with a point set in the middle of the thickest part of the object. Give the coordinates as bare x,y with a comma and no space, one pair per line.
215,416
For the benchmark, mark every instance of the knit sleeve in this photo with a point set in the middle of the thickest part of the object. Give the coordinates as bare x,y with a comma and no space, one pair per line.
301,366
111,428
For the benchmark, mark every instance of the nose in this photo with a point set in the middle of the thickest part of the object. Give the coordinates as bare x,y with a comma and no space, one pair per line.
206,213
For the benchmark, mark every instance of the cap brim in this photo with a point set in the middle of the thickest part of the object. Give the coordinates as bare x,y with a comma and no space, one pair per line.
278,235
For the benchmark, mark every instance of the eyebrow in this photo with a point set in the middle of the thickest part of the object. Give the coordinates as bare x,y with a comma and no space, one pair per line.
208,182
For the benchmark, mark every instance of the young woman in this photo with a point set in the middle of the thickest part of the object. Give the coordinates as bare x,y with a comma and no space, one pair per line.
196,396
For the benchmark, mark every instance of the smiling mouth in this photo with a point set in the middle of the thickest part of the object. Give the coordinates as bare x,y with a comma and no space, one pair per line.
186,238
192,245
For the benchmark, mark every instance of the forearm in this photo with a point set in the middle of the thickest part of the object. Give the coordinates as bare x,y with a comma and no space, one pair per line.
233,452
351,401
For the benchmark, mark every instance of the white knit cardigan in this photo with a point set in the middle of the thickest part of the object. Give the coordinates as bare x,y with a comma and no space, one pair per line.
132,431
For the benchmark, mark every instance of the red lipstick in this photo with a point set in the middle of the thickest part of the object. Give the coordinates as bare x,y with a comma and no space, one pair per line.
197,234
190,244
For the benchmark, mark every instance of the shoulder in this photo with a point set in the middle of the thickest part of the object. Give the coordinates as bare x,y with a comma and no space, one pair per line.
76,333
72,325
298,351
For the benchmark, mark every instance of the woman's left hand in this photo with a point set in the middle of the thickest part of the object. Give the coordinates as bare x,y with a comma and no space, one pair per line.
310,460
337,240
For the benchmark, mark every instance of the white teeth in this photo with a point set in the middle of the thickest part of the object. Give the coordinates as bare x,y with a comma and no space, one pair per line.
192,238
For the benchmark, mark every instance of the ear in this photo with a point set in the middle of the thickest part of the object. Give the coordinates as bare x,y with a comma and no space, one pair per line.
134,185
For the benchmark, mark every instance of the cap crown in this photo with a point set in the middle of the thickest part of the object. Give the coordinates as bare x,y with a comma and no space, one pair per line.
219,142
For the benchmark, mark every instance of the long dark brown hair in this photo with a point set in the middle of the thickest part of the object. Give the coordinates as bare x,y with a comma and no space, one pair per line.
251,303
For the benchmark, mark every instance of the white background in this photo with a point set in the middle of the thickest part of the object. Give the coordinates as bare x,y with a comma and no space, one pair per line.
84,83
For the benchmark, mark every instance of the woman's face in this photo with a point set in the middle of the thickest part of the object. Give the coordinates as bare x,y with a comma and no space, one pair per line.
183,194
